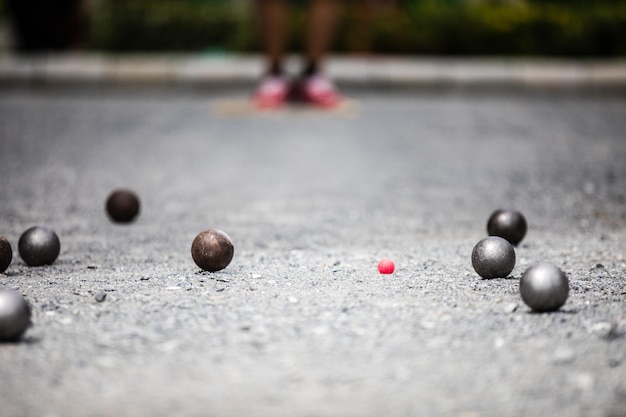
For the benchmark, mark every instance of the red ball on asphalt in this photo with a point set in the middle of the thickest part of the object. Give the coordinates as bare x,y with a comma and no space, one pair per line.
386,266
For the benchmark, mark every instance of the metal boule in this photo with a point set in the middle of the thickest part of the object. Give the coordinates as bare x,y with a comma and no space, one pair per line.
508,224
212,250
14,315
6,254
39,246
544,287
122,206
493,257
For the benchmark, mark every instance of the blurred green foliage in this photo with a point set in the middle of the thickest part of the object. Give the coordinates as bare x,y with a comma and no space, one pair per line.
168,25
456,27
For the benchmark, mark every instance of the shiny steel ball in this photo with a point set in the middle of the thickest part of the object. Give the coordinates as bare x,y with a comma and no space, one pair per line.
212,250
508,224
14,315
122,206
544,287
6,254
39,246
493,257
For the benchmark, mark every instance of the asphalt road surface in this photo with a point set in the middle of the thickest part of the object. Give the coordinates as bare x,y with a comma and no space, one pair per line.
301,323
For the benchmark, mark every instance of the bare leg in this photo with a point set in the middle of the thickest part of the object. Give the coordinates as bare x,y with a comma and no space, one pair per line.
273,89
273,16
320,30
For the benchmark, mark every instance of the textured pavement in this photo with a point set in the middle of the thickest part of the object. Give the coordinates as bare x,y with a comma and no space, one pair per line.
301,323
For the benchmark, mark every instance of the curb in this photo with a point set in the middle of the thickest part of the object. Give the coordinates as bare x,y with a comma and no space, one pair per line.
230,70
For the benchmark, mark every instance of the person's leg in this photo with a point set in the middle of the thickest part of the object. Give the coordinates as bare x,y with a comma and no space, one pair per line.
322,17
313,87
273,15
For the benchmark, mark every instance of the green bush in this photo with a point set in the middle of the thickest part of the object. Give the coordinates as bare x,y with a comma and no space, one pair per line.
158,25
497,28
452,27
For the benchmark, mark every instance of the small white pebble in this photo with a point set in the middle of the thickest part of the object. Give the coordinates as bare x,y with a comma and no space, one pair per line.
320,330
583,381
603,329
428,324
510,308
498,343
563,356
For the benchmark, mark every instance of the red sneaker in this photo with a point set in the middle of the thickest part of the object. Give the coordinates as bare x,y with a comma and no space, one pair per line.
316,90
272,92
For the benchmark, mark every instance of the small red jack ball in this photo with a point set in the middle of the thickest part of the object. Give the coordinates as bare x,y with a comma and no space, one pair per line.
386,266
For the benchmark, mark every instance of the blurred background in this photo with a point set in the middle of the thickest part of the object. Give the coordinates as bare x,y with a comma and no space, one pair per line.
568,28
